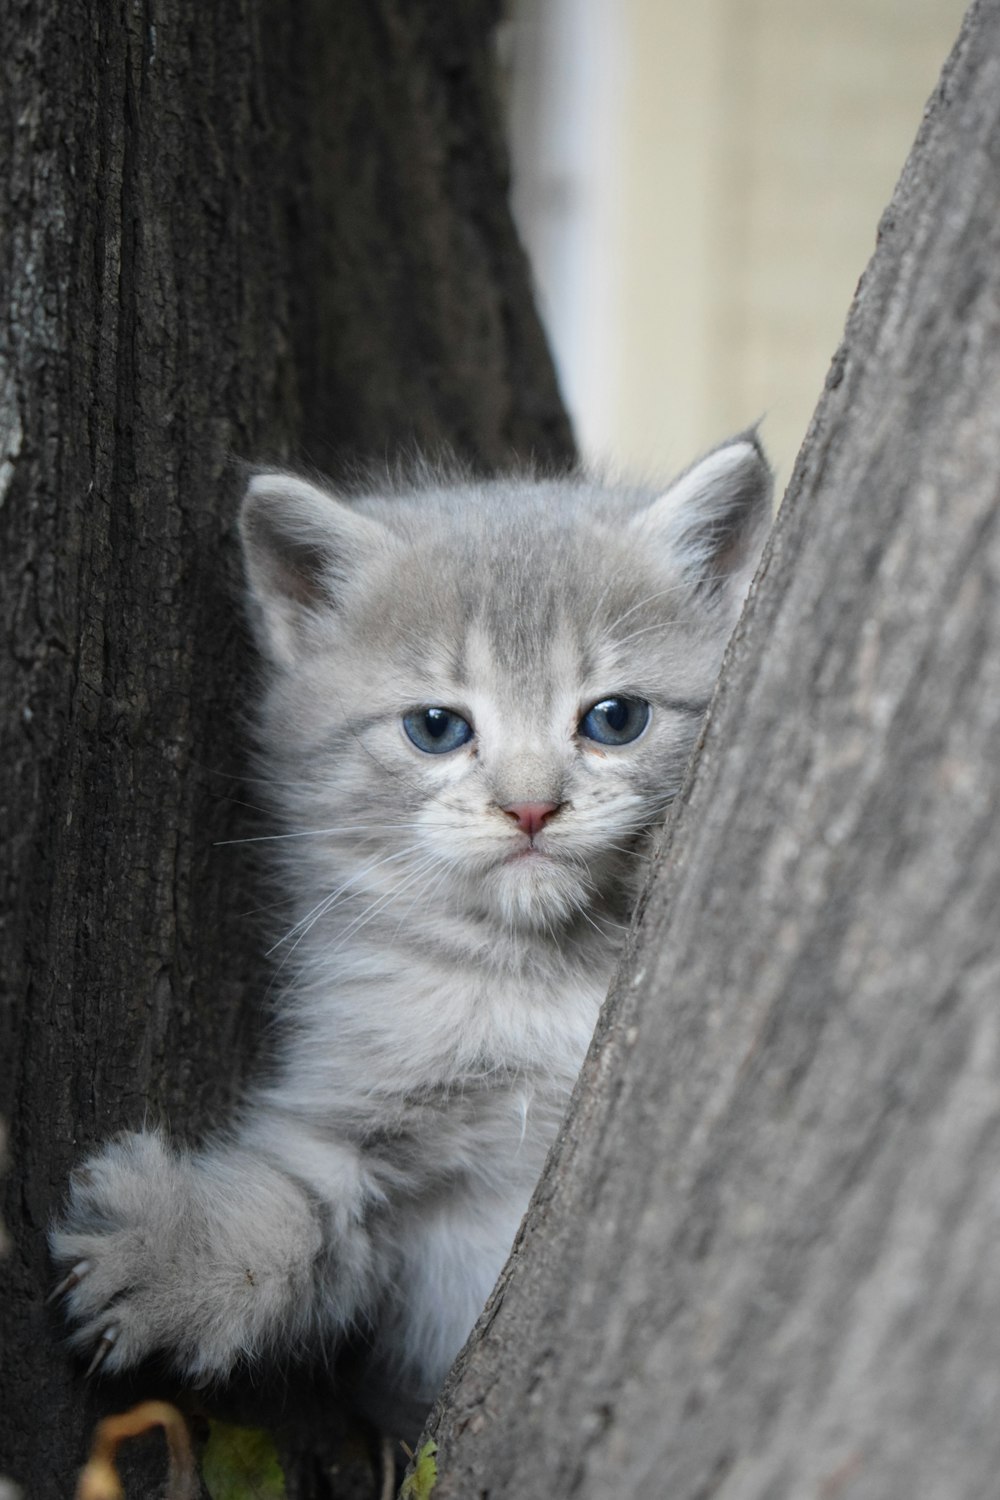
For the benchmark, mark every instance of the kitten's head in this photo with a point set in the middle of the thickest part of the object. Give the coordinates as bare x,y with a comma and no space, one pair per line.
487,692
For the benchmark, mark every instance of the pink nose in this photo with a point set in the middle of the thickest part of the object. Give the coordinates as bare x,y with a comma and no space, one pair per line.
531,817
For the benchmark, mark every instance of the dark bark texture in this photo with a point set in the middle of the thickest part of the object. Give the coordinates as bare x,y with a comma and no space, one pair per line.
763,1260
231,230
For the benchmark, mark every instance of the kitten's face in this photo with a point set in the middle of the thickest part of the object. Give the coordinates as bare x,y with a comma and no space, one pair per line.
492,693
570,757
520,774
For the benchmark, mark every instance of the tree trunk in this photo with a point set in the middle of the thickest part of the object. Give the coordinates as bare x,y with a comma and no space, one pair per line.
763,1258
232,230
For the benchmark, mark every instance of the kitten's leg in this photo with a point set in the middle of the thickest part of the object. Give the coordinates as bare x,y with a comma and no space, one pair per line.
209,1256
446,1255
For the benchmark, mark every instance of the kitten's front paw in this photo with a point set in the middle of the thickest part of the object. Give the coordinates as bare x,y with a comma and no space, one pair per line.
127,1245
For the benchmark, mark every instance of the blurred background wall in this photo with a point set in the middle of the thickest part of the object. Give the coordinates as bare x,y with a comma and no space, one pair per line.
699,187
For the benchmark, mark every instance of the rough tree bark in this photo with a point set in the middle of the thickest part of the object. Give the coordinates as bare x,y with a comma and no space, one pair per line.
235,229
763,1261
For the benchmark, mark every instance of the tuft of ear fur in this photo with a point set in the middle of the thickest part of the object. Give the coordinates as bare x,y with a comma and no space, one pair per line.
300,548
714,518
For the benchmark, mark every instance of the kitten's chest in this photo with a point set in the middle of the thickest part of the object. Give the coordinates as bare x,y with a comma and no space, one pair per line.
488,1070
495,1134
533,1022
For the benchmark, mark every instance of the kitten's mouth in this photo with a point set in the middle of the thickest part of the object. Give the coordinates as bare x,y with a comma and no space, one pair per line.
529,851
535,887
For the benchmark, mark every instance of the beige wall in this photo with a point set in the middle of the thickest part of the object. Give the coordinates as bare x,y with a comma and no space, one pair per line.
747,149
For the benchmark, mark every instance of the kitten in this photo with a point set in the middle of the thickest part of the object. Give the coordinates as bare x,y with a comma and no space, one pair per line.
481,697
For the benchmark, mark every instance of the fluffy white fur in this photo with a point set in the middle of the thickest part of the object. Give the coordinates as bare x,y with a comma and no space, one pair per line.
441,969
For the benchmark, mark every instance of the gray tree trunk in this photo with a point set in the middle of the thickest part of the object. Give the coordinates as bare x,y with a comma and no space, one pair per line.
231,230
764,1260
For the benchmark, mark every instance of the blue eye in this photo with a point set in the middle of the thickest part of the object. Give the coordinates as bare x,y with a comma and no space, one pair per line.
437,730
615,721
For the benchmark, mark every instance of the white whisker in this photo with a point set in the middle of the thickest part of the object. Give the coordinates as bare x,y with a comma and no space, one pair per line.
314,833
328,901
385,899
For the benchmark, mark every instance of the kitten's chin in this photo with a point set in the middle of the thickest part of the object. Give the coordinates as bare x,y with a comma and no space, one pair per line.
534,891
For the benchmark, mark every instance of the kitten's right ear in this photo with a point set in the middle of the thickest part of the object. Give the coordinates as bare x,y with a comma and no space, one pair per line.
300,547
713,519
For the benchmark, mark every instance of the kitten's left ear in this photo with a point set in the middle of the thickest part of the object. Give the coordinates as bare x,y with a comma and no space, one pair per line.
712,521
301,549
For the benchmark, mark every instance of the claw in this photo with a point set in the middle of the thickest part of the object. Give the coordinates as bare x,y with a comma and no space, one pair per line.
67,1284
102,1351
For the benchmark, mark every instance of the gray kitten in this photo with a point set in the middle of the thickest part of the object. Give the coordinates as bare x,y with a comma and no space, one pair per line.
481,697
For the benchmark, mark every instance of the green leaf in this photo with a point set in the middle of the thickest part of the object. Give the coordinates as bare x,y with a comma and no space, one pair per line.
422,1478
241,1463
